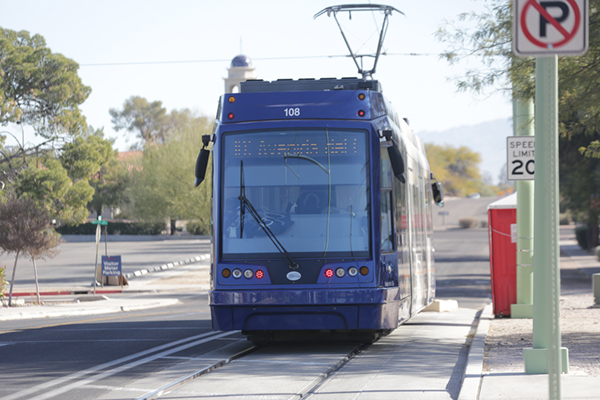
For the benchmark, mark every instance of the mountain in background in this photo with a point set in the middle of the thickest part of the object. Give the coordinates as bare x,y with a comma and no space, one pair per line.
487,138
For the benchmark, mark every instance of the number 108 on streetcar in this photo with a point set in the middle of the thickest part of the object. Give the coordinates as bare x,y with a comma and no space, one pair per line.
520,164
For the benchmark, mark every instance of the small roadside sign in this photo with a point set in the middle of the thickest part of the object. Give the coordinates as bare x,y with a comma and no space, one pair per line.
100,222
520,164
111,266
557,27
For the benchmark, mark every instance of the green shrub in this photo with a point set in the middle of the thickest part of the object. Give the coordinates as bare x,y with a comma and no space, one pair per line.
197,228
115,228
564,219
581,236
468,223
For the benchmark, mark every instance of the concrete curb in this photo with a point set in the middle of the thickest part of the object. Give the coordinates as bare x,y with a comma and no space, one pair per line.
202,257
474,369
78,309
130,238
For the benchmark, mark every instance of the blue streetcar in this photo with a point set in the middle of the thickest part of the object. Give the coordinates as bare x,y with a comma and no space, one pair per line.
322,205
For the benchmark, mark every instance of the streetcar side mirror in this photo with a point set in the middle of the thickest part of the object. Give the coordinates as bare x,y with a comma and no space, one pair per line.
438,193
201,165
202,161
397,163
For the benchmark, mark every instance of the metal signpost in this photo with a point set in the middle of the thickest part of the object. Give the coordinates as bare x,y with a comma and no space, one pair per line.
444,214
98,223
546,29
521,168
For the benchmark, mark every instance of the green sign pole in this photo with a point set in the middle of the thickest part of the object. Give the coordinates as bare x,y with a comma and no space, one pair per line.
96,263
547,355
546,31
523,120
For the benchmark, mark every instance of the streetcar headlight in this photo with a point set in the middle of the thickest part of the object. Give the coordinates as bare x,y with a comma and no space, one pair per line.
352,271
226,273
248,274
340,272
237,273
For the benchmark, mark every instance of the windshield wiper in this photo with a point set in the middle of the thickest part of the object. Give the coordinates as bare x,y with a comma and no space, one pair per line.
303,157
244,202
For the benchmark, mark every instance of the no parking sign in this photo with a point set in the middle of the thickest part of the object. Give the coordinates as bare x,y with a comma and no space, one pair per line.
550,27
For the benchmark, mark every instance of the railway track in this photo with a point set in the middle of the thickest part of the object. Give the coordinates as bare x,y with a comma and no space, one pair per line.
191,366
273,360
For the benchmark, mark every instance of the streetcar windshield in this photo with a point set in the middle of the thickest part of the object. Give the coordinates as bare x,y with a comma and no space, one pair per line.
309,186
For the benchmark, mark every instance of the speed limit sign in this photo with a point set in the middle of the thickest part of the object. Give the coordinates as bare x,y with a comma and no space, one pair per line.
520,164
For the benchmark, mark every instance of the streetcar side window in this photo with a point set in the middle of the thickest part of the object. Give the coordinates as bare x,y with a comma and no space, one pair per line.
387,226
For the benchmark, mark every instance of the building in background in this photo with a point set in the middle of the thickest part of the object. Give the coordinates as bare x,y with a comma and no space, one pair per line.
239,71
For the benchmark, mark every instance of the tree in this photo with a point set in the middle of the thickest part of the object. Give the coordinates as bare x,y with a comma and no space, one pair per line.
148,120
91,158
40,89
37,87
163,187
26,229
580,185
110,185
456,168
86,154
53,191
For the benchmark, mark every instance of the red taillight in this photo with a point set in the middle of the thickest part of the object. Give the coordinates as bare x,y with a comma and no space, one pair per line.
361,113
259,274
230,115
329,273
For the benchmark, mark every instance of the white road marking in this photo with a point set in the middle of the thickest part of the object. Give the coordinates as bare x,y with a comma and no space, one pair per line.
46,385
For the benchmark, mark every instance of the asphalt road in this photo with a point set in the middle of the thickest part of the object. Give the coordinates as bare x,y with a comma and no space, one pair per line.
462,266
41,357
454,209
74,264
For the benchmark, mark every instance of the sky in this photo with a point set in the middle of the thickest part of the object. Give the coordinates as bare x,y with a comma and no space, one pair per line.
178,52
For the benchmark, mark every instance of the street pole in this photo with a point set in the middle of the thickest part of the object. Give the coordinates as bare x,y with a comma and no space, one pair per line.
96,264
523,120
547,355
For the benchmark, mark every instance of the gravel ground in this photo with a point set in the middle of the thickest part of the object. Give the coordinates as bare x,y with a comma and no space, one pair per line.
580,330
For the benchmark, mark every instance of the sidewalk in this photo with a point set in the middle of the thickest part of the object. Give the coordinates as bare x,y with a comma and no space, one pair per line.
496,371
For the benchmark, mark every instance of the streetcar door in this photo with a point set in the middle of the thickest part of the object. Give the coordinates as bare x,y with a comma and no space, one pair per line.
410,225
388,232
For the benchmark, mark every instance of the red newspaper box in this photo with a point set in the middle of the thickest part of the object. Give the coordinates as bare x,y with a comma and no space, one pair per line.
502,217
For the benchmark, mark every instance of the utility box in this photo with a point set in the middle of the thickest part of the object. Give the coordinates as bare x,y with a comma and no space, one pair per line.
502,227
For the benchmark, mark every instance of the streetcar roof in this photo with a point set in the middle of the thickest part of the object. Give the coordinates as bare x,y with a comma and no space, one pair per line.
309,84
